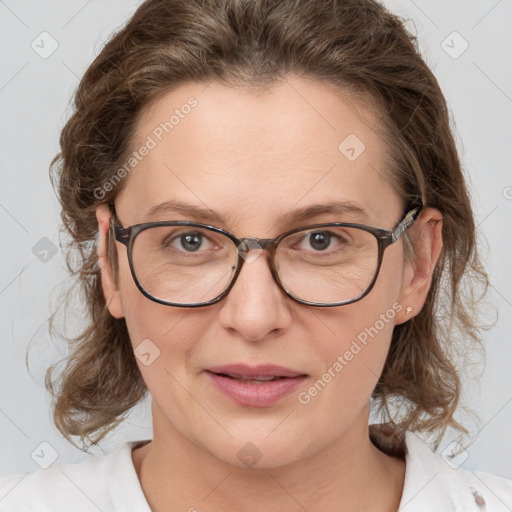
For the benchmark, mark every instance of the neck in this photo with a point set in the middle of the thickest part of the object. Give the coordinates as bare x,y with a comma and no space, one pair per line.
351,474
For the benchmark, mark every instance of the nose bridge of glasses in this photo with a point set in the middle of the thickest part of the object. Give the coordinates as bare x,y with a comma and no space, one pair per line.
250,243
251,248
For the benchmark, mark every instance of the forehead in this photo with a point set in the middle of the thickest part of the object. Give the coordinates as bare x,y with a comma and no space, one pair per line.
255,157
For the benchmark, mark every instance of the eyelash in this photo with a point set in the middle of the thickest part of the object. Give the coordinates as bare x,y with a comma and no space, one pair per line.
171,238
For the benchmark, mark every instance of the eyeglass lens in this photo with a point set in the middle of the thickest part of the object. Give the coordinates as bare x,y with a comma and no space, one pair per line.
190,264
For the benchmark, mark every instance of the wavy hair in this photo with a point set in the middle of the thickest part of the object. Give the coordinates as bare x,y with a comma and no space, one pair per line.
356,45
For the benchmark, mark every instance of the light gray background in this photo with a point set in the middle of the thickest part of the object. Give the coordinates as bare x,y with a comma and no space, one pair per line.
34,96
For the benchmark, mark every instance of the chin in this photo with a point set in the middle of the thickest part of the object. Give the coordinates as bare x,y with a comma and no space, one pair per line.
261,450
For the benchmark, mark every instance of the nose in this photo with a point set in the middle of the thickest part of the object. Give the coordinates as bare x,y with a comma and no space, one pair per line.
256,306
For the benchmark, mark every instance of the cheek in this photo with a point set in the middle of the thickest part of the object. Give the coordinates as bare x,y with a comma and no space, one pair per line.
152,327
354,353
391,275
353,362
163,337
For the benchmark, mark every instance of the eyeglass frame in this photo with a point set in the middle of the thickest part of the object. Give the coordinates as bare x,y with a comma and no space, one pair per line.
385,238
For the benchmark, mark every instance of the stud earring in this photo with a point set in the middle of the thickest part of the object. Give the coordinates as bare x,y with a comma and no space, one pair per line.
408,309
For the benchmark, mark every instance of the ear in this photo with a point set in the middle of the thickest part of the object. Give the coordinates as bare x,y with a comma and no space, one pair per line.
110,291
427,243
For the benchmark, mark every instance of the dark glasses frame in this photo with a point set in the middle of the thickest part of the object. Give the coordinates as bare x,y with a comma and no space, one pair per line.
385,238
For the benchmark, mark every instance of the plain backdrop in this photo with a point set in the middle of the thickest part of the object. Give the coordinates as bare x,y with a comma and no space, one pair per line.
467,43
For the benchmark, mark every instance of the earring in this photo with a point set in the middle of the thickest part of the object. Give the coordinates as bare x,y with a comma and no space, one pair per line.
408,309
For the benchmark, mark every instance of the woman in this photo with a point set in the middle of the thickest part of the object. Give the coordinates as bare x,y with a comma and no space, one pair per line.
282,231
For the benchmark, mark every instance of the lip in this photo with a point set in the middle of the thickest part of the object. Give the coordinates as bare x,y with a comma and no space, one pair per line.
251,393
262,370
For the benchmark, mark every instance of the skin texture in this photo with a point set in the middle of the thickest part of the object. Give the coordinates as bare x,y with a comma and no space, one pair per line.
252,158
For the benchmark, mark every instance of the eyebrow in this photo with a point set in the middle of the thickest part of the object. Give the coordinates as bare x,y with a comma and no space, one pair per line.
297,215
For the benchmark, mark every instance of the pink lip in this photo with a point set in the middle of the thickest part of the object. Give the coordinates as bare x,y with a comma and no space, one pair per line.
251,393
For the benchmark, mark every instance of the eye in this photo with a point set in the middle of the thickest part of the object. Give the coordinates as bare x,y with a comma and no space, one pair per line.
322,240
191,241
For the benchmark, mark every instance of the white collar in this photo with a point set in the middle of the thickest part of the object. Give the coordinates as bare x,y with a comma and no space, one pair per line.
431,484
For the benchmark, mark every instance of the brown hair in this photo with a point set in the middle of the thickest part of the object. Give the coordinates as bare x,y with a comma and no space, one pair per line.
356,45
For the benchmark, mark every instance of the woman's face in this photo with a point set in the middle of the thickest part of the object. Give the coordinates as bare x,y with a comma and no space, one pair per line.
253,161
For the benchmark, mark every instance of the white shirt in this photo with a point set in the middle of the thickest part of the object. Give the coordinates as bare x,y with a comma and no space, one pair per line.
109,483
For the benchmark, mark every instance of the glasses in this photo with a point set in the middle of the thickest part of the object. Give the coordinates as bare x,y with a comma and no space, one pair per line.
187,264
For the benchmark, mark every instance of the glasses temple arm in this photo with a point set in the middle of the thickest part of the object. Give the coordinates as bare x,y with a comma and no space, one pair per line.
408,220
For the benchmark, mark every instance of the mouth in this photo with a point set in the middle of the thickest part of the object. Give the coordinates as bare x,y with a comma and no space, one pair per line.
260,386
256,378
